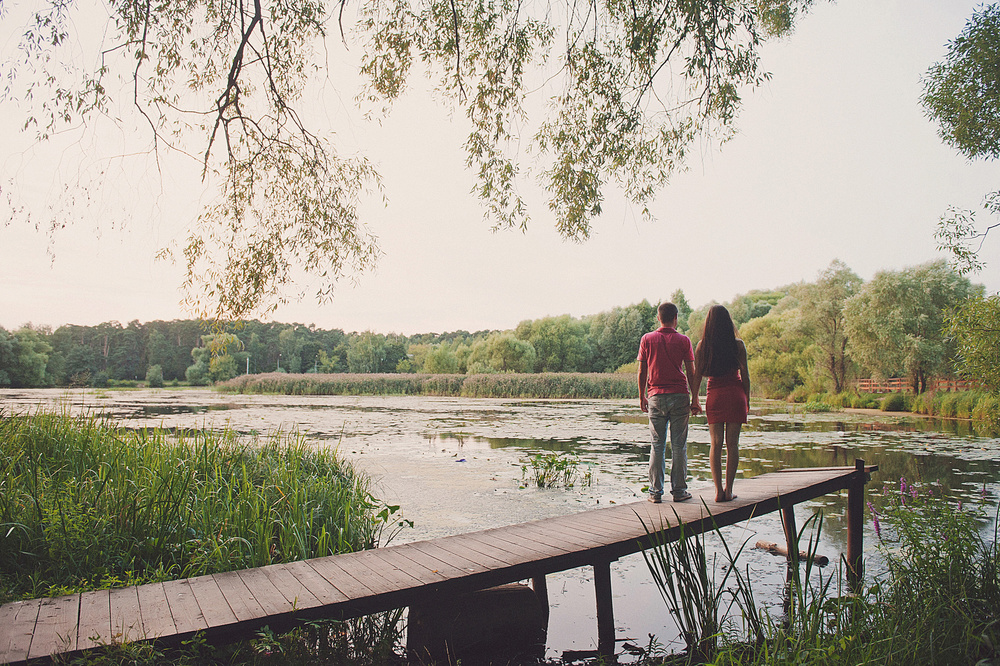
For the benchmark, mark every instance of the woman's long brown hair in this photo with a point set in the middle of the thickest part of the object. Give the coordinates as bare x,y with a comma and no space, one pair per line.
716,355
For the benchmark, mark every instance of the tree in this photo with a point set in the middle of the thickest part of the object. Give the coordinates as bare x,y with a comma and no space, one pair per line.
683,309
501,352
975,325
895,323
962,93
632,87
776,355
822,315
560,343
615,334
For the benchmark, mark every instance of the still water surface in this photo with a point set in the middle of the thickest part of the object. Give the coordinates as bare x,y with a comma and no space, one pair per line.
455,465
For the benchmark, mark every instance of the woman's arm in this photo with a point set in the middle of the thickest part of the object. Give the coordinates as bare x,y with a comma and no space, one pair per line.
741,356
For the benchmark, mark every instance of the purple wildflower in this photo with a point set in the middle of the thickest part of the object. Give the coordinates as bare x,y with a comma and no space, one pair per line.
983,494
959,505
878,528
913,491
902,484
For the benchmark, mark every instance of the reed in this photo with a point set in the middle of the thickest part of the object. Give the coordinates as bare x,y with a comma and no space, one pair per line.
498,385
934,604
88,505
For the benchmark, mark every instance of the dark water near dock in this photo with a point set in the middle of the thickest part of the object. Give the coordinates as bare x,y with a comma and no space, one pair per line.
455,465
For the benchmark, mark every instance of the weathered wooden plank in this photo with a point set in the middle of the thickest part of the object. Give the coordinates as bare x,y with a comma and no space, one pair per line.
291,588
417,556
470,561
555,533
212,602
126,620
539,540
154,610
348,585
538,551
461,548
239,598
17,626
55,628
447,558
318,586
424,574
523,551
270,598
184,608
378,573
95,620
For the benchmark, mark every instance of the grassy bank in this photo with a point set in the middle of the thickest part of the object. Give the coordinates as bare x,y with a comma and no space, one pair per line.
87,505
935,602
503,385
978,406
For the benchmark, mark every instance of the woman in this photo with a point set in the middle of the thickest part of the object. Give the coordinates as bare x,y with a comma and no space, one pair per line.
722,357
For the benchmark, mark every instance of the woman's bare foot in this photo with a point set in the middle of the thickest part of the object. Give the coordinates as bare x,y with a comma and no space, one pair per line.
726,496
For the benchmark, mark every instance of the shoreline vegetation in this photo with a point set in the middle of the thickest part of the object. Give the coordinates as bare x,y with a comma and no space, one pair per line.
87,505
978,406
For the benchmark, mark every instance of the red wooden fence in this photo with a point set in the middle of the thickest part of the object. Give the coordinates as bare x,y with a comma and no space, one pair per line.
903,385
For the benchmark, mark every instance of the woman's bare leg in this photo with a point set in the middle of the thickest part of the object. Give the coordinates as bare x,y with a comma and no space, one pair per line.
732,458
718,434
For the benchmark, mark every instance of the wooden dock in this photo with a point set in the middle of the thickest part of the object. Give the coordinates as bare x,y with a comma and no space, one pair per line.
236,604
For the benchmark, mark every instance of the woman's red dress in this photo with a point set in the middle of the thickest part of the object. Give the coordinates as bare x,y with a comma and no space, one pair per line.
726,401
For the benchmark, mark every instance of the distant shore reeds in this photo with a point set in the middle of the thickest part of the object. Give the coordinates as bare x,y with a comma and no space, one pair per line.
499,385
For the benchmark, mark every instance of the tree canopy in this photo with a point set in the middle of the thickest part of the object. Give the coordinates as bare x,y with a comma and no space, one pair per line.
627,89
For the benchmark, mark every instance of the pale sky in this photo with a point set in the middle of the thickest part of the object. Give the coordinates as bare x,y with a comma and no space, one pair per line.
833,160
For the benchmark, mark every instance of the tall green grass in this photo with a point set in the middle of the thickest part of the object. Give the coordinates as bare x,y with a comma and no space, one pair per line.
499,385
85,504
935,603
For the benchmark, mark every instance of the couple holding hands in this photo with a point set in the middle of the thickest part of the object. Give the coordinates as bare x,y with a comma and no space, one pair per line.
669,394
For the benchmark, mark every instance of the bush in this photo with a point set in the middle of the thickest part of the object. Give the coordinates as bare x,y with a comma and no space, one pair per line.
987,409
798,394
154,376
966,403
925,403
895,402
100,380
949,405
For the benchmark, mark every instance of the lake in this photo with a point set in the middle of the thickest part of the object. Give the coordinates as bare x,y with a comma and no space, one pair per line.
455,465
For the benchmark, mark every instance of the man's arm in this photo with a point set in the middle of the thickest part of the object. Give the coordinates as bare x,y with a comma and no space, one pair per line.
694,383
643,375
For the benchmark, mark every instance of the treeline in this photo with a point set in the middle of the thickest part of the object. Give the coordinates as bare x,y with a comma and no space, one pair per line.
802,339
195,352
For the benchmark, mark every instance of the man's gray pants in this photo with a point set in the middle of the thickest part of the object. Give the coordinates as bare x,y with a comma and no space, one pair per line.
673,409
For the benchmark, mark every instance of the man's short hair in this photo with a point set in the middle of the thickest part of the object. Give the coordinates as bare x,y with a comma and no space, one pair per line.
667,312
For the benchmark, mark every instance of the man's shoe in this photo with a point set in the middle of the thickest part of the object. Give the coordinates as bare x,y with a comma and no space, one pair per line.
683,497
655,499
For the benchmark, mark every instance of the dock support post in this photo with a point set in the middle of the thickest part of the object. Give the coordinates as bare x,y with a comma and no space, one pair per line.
542,592
855,527
605,609
791,532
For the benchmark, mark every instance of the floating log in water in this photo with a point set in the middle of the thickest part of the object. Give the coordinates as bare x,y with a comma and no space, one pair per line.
775,549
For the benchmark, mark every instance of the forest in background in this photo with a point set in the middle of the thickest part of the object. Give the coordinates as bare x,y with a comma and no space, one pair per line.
805,337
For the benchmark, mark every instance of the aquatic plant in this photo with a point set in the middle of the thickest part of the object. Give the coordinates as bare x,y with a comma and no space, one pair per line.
493,385
546,470
86,505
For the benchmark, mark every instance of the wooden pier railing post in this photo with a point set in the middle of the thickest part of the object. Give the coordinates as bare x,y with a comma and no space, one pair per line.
855,527
605,609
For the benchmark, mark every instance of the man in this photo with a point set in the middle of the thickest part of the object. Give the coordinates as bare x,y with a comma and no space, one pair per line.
670,397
